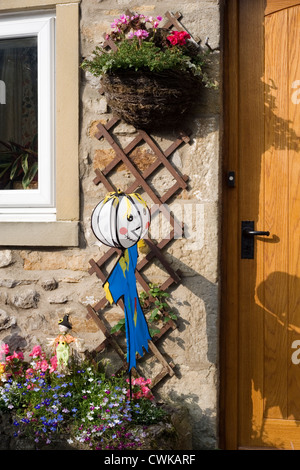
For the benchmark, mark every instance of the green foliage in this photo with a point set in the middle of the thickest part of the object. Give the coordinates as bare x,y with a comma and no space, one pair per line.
146,56
160,313
120,326
18,163
148,413
143,46
162,310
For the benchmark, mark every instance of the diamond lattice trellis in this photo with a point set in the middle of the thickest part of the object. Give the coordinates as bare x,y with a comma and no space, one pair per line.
162,160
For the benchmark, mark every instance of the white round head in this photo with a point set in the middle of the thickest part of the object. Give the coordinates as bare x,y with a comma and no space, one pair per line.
121,220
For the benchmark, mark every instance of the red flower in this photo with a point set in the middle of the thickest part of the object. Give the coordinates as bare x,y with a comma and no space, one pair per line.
178,37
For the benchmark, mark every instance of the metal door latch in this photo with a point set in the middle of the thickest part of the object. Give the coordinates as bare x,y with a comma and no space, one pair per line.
248,234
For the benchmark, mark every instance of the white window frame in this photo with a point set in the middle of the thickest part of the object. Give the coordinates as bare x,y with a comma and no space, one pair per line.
36,204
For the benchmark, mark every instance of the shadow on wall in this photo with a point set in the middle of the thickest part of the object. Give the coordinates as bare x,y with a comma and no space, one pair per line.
208,292
15,341
203,419
200,424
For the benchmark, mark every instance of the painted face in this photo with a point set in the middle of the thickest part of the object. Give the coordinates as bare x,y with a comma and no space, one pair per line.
121,220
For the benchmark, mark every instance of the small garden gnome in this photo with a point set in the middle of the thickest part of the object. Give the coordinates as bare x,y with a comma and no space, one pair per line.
62,343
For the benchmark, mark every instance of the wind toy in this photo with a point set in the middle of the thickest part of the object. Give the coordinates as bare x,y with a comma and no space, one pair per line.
120,221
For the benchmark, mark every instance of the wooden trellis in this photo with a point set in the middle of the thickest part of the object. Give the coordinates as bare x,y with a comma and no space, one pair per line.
122,155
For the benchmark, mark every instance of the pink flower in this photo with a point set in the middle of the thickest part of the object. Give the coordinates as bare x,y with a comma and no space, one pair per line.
36,352
124,19
44,365
53,362
19,355
5,348
141,33
15,355
37,365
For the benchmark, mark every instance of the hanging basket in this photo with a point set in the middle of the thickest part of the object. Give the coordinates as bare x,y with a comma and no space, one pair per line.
149,100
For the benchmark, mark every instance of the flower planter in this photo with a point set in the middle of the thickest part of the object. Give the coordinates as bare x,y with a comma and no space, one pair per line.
149,100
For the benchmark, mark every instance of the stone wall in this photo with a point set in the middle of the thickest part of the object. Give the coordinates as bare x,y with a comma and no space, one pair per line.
39,286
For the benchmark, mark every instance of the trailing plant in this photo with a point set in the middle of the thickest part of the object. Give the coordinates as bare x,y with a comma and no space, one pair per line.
141,45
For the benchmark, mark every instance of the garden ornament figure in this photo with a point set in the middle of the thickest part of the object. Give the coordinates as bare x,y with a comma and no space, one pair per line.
62,343
121,221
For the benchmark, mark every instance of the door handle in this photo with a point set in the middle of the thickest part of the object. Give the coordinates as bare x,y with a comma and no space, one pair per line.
247,243
249,232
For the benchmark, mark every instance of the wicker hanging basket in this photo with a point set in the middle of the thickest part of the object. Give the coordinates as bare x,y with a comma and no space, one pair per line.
149,100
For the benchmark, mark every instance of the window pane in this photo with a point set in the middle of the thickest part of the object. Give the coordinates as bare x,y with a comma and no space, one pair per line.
18,113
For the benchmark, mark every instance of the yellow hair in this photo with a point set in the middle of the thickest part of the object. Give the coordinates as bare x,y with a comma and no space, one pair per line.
115,196
143,247
107,293
128,208
139,198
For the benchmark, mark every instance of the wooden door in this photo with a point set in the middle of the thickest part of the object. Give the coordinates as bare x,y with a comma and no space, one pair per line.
260,329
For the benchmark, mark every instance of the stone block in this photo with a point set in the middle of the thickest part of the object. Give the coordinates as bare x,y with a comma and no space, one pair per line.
6,321
26,299
5,258
77,260
49,284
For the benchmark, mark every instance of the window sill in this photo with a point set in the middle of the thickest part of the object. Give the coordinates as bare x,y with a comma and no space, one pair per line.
59,233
